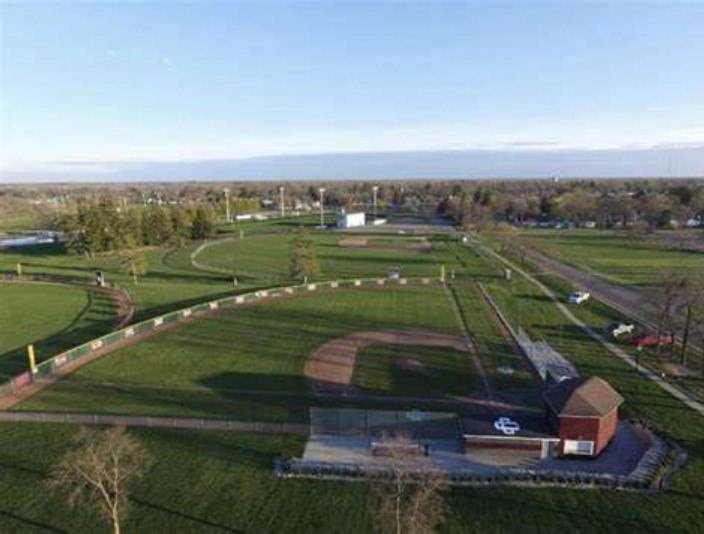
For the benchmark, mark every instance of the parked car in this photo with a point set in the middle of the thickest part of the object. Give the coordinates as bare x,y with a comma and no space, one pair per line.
578,297
619,328
651,339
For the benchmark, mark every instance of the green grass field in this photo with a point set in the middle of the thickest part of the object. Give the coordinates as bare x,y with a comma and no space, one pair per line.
623,258
210,482
266,257
170,283
507,371
415,371
247,363
53,317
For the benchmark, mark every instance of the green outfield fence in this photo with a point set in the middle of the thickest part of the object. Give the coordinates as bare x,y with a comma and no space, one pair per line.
47,367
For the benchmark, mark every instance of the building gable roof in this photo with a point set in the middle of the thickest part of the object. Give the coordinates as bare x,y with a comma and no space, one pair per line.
579,397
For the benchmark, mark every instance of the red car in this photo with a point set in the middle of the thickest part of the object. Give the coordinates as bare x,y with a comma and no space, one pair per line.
650,339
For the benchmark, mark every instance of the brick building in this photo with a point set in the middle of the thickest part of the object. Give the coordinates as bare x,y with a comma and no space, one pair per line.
584,413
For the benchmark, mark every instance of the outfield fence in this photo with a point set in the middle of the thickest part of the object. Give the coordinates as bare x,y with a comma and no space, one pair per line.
51,366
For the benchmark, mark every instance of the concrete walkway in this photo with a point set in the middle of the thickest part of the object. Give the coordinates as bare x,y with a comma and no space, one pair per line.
677,393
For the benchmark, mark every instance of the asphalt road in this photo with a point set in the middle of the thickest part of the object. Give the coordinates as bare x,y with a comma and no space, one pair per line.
640,304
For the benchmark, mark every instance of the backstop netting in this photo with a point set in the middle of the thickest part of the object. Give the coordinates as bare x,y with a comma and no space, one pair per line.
377,423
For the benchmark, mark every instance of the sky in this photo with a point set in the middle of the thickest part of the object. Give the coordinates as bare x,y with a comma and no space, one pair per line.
273,89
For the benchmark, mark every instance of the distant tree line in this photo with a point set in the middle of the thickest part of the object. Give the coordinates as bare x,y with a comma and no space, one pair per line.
104,226
605,206
645,203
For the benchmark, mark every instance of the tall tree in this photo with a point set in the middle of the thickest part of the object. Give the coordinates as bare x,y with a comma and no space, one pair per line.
303,261
98,469
693,310
180,225
203,225
156,225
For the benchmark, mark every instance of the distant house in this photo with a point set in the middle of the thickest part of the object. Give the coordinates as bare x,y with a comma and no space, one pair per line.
351,220
584,413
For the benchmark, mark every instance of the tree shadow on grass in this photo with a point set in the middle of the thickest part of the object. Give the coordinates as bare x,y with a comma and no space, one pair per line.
203,522
96,319
30,522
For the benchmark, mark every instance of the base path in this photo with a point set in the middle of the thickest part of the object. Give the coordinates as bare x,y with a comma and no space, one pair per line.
156,422
675,392
331,366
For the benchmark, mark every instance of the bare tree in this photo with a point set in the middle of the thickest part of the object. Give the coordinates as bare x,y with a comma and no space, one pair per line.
98,468
693,310
133,262
672,286
409,500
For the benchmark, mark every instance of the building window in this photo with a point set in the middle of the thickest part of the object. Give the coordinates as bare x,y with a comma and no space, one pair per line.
578,447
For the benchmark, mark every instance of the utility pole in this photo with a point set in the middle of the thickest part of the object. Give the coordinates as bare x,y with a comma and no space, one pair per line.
322,221
281,201
375,189
227,204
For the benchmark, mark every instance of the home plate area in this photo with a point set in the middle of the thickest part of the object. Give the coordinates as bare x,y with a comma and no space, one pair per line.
484,443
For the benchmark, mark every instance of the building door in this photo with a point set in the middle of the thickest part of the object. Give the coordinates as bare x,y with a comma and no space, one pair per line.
571,446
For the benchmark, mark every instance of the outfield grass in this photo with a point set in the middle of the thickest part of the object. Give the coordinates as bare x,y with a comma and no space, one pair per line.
266,257
53,317
247,363
415,371
621,257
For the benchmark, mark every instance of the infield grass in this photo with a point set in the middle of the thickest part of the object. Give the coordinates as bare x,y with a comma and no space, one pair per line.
415,371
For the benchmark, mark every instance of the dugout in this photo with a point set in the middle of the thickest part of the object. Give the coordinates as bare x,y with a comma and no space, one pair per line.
525,433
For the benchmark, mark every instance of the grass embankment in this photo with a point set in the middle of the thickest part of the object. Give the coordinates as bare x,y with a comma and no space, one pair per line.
53,317
169,284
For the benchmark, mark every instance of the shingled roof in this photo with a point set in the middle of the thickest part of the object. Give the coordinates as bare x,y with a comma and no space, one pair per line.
579,397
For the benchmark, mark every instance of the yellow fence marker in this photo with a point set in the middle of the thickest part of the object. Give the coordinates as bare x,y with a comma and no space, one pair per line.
32,361
19,269
442,273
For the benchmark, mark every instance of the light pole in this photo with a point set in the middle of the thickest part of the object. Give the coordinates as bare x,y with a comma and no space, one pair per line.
227,204
322,221
281,192
375,189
